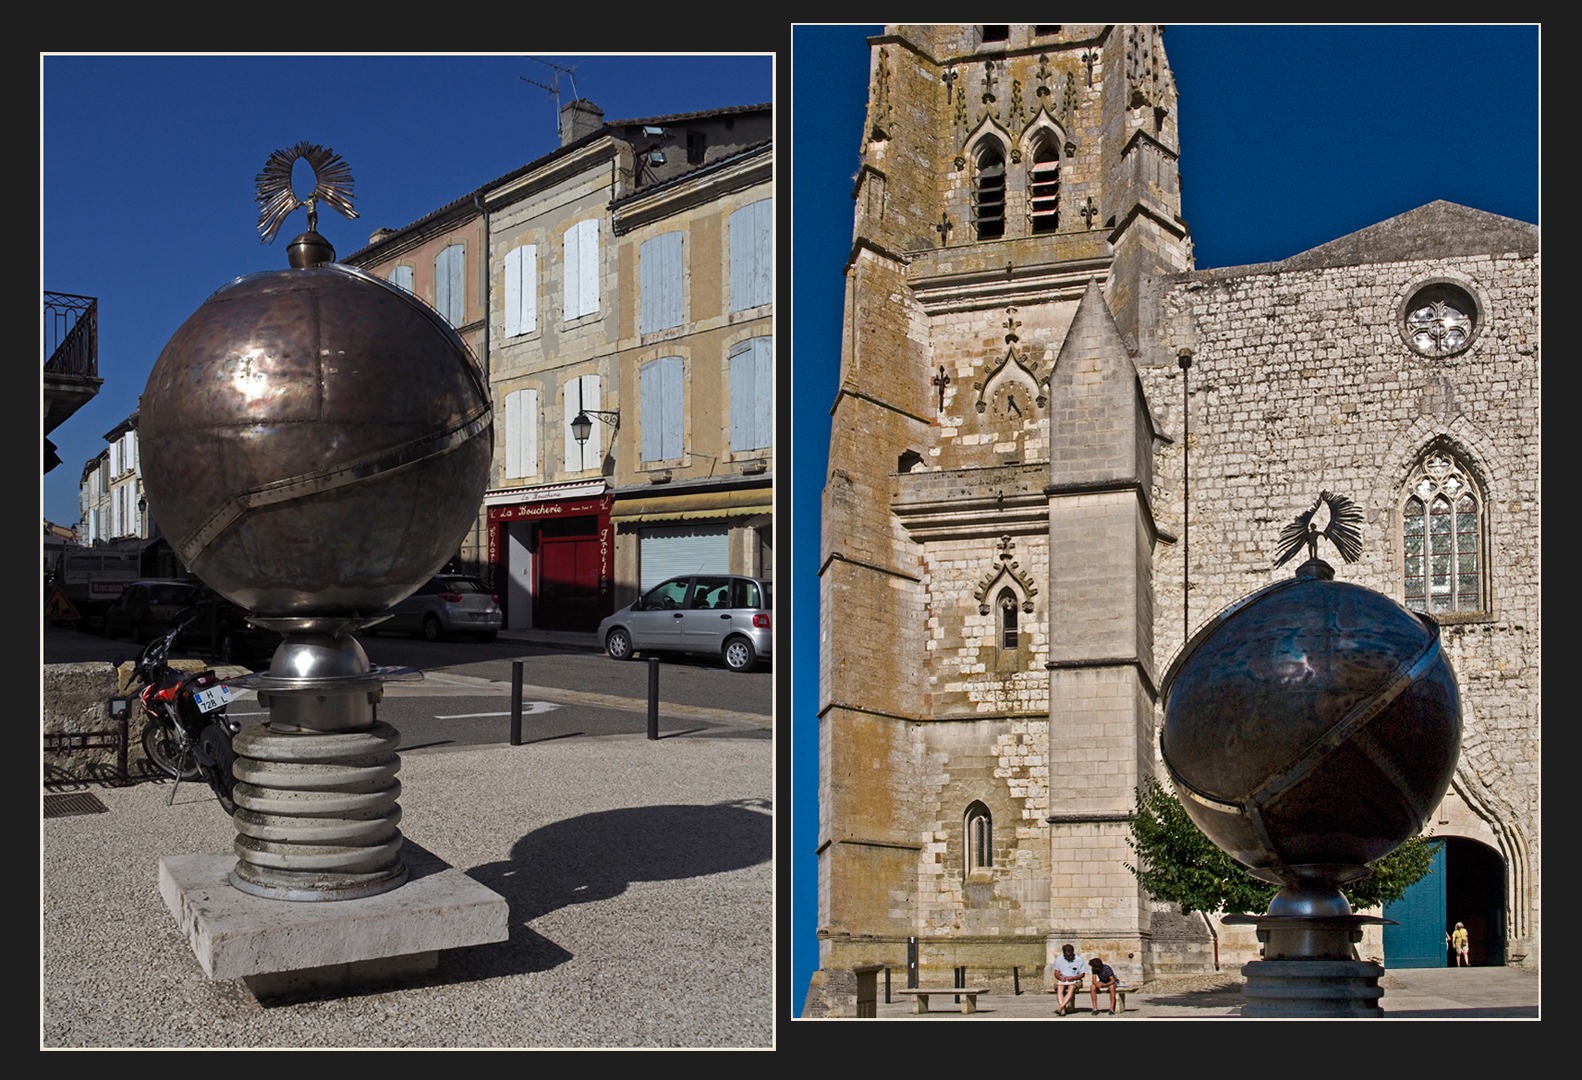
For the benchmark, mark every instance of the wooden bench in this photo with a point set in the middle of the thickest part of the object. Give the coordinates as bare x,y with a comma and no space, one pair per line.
969,996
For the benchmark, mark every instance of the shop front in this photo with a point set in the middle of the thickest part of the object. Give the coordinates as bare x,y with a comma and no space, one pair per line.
552,553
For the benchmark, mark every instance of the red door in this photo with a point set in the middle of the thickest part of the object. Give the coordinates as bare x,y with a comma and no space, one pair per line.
568,583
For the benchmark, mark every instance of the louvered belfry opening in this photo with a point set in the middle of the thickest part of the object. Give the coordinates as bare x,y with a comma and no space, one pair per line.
989,194
1044,188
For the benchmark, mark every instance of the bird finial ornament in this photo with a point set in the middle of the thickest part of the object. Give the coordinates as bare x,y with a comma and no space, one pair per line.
1344,530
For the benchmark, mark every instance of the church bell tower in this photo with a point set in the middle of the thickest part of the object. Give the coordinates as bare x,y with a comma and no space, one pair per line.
987,676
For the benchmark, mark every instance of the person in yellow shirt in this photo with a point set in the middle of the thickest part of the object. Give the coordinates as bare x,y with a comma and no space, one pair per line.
1457,940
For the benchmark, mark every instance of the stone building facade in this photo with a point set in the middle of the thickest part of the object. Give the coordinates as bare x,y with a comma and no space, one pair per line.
610,280
1008,464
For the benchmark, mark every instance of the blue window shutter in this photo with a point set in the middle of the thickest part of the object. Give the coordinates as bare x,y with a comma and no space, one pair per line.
752,395
652,407
449,291
660,265
671,366
751,255
401,276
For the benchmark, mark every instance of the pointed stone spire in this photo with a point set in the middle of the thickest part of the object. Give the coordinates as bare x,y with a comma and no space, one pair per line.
1099,428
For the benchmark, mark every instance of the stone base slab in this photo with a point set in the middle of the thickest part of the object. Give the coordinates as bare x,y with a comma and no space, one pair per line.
280,946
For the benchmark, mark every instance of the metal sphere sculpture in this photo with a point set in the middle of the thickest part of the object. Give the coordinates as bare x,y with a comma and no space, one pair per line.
1311,727
316,440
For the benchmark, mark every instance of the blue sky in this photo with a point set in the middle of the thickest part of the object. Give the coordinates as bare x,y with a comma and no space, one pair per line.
148,167
1290,137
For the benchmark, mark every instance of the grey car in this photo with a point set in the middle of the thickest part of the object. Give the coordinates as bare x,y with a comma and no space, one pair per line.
143,610
714,614
447,604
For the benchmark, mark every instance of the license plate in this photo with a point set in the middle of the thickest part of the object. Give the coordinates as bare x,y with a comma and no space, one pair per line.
215,697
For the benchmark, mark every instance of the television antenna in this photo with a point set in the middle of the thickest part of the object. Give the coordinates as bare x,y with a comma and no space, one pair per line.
555,89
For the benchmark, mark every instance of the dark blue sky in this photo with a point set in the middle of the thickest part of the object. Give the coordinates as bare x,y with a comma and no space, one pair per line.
1290,137
148,167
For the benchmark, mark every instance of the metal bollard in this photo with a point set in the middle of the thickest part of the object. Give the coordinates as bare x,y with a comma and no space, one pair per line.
887,984
653,697
911,963
516,703
1016,981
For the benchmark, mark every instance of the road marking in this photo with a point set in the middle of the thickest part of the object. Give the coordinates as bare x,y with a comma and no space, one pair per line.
527,707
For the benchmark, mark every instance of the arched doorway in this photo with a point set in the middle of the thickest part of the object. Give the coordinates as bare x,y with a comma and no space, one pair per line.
1465,883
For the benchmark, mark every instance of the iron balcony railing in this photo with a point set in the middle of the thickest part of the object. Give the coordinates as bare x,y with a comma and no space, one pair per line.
71,334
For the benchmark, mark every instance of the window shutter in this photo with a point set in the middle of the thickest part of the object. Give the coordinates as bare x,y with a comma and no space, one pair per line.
660,264
513,307
401,277
752,242
521,433
752,395
571,277
579,458
652,410
449,292
529,299
671,370
588,266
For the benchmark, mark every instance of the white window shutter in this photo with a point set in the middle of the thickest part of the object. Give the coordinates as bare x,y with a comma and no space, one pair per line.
513,304
513,435
579,458
571,277
588,266
529,299
401,277
449,284
652,410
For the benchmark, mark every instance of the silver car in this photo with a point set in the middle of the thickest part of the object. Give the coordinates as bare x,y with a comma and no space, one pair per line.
714,614
447,604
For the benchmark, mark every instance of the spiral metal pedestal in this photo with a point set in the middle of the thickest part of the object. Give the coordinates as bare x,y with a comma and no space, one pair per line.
316,785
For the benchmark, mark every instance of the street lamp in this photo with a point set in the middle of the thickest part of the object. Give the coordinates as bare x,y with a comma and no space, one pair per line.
582,425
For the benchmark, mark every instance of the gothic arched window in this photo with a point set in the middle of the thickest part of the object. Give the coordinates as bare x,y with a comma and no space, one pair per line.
980,838
988,193
1043,186
1007,603
1442,526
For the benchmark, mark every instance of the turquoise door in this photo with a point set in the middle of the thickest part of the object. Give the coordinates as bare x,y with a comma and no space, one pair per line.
1419,940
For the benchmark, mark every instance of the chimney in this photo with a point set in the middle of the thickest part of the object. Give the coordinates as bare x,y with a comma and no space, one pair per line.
578,118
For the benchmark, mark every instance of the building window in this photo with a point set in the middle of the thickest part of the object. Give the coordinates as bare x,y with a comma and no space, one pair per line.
521,433
1442,521
1008,636
660,266
979,838
521,290
661,413
696,146
450,292
581,269
582,395
1043,183
752,255
998,32
1440,319
752,395
401,277
988,193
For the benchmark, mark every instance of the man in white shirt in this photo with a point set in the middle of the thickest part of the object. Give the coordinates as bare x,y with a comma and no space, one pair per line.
1069,969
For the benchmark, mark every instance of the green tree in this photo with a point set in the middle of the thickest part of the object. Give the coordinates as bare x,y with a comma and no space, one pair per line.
1181,865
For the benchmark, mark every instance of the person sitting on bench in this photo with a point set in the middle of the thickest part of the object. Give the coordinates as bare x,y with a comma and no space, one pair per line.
1069,969
1103,975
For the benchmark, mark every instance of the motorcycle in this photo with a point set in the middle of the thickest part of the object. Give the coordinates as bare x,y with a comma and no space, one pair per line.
187,732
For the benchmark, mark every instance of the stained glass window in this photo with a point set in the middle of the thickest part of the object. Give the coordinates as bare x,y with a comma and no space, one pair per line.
1442,540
